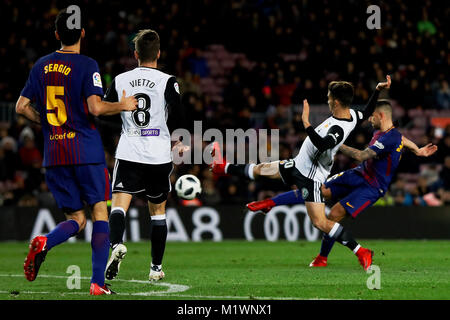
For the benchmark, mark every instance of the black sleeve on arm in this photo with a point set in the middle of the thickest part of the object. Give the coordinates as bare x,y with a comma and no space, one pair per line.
334,136
111,94
175,111
370,106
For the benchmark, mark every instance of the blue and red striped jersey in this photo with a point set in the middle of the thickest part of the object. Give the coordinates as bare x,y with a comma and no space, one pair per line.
59,85
388,146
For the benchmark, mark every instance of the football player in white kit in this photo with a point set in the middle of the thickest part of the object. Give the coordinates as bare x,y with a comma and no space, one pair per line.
144,152
311,167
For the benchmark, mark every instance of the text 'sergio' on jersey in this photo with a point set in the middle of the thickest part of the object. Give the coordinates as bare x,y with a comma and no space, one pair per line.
59,85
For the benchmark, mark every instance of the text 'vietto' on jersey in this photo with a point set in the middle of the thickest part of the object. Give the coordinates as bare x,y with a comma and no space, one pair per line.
146,136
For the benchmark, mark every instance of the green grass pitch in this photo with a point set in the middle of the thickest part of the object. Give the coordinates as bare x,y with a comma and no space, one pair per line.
239,270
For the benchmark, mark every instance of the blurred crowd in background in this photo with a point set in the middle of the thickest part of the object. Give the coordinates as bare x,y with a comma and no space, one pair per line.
247,64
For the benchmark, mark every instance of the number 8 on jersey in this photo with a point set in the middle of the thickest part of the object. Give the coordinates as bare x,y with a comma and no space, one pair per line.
141,116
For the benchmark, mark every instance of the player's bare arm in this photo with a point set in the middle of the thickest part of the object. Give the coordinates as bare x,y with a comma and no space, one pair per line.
103,108
333,137
425,151
370,106
357,154
178,146
23,107
305,114
384,85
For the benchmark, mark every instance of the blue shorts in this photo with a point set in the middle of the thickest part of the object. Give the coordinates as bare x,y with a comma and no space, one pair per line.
73,186
352,191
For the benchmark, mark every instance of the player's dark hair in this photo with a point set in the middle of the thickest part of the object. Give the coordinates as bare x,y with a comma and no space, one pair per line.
385,106
67,36
342,91
147,45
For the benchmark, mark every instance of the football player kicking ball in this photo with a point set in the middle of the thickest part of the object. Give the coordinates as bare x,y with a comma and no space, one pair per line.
310,168
359,188
66,88
144,153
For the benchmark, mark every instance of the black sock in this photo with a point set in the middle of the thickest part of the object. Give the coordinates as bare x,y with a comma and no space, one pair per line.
240,170
327,245
116,226
158,237
343,236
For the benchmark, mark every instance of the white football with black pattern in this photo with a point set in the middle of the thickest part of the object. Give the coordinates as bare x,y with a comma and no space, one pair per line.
188,187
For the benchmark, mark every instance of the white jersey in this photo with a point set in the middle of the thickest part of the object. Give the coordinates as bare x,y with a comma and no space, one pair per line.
317,165
145,136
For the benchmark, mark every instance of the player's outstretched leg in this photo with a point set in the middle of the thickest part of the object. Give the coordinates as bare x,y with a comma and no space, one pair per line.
220,167
263,205
119,250
290,197
40,245
218,164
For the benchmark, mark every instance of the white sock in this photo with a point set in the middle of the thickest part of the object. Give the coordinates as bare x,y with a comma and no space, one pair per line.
159,266
334,230
355,251
158,217
250,171
119,209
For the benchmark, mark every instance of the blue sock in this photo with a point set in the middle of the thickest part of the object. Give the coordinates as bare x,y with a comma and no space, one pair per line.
100,251
327,245
291,197
61,233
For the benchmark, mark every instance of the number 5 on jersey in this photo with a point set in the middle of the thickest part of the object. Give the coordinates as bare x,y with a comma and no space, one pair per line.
56,108
141,116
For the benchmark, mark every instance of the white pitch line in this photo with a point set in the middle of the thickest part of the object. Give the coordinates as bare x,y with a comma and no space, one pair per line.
171,288
176,295
172,291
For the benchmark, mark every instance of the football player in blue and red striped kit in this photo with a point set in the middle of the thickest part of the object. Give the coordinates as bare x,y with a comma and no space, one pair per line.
357,189
65,88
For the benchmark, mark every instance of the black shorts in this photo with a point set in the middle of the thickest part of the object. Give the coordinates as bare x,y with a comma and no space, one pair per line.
153,180
309,189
